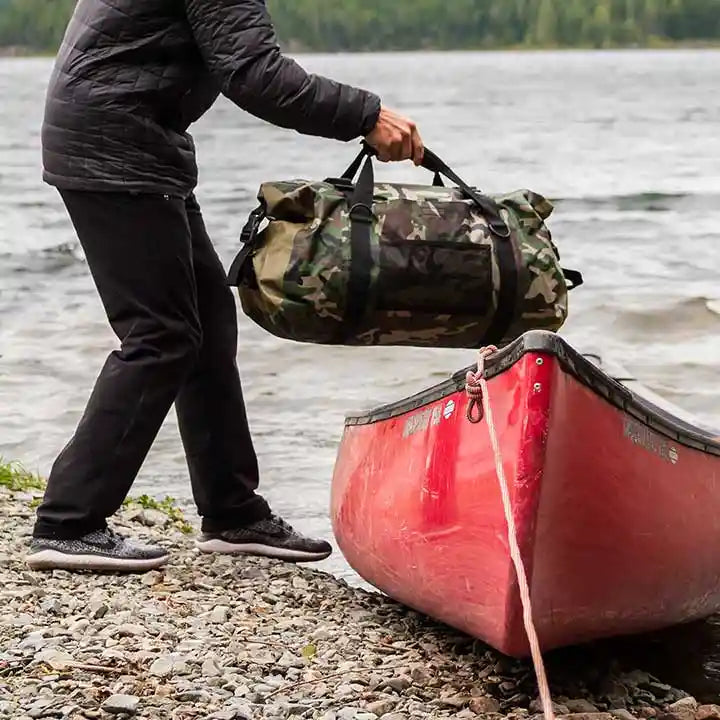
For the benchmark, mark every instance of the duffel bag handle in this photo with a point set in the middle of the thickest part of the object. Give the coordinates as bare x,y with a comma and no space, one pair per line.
489,207
360,197
435,165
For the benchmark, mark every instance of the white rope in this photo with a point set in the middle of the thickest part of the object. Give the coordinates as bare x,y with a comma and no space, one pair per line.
476,388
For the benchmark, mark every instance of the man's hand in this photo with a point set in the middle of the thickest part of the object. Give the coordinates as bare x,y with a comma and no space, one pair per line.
396,138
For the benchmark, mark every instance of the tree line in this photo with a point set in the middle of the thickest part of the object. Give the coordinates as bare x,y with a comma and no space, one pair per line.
365,25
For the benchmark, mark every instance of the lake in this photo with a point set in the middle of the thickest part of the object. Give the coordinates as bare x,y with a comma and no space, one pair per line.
626,144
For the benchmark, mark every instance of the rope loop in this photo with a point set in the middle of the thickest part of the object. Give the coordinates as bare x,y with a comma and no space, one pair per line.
474,386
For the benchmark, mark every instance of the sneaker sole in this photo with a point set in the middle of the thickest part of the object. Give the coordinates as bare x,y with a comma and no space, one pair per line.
56,560
225,548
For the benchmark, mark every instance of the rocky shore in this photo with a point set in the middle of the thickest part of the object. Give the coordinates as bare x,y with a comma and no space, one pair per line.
231,639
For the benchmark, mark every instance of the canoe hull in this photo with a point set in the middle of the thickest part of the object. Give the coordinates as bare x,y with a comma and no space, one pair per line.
618,525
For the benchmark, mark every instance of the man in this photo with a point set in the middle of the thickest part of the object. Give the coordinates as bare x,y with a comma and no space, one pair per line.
129,79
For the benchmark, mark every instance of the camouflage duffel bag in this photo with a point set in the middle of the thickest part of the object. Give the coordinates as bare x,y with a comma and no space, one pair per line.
358,263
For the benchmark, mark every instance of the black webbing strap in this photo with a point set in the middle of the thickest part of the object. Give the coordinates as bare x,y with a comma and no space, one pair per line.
489,207
247,236
367,151
361,220
507,264
507,293
574,277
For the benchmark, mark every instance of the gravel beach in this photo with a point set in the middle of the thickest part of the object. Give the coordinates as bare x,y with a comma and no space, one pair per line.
229,639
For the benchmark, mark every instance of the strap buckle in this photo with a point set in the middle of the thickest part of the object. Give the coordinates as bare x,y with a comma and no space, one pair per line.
236,274
249,231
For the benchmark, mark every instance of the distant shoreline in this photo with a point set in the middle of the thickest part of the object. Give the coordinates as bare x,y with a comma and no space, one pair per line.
19,51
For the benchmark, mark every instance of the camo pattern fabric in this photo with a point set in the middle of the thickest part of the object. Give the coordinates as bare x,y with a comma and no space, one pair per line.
434,279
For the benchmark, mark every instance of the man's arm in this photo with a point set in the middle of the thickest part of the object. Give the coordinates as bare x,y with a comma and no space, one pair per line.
238,44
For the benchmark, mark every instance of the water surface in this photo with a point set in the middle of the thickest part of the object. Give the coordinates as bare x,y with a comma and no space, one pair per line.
626,143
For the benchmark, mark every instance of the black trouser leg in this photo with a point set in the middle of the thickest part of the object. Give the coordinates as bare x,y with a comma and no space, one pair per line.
139,250
210,406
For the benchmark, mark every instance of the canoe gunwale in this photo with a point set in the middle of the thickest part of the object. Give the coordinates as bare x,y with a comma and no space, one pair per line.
571,361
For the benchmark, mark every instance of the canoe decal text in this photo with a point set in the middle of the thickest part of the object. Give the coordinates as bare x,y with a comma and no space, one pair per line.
643,436
422,420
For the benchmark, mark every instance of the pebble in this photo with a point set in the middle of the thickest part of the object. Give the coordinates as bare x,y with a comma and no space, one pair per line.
210,668
230,714
168,665
456,701
708,712
56,659
118,704
219,614
129,630
34,640
381,707
208,638
151,578
580,706
622,714
350,713
97,610
44,708
558,709
194,696
483,705
684,709
399,683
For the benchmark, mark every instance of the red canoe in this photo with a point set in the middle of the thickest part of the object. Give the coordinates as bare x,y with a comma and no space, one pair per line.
615,495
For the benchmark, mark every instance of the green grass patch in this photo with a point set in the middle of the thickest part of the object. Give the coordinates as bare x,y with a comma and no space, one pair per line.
167,506
16,478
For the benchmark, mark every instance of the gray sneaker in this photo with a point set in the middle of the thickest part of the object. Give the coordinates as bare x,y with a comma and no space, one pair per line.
271,537
102,550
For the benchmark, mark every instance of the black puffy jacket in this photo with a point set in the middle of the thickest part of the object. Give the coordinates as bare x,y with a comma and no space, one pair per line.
132,75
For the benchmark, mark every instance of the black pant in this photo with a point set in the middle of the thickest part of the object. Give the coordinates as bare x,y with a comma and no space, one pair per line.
164,291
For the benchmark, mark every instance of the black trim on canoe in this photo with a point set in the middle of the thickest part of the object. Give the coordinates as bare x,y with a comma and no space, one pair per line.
575,364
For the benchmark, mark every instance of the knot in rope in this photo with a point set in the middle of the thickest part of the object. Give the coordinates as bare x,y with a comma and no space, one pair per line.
473,386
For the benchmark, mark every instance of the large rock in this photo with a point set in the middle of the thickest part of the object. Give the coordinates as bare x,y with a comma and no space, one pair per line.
684,709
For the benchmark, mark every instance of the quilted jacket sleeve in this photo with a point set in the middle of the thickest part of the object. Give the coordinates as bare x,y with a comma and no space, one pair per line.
238,44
